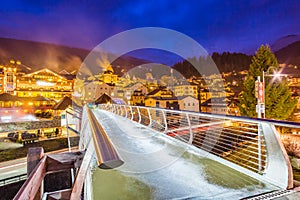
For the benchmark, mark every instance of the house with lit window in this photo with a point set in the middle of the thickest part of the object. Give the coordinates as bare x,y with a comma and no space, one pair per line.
94,89
161,92
8,79
188,89
137,98
189,103
206,94
108,76
44,83
129,90
162,102
215,105
222,105
13,107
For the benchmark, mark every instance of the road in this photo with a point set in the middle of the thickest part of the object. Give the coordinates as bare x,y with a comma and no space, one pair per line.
13,168
19,166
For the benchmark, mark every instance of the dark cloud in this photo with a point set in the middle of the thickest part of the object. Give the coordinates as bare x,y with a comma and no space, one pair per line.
218,25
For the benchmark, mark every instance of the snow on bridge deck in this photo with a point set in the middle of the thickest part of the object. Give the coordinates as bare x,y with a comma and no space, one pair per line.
157,166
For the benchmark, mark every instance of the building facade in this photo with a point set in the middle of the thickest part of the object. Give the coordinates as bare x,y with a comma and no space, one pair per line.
189,103
44,83
186,90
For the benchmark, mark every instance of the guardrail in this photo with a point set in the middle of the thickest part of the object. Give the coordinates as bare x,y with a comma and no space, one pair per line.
249,145
94,139
13,179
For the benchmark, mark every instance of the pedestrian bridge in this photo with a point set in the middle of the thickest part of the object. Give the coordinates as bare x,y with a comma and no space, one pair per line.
150,153
171,154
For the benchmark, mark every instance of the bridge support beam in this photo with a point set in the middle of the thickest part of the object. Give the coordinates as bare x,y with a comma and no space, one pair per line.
32,188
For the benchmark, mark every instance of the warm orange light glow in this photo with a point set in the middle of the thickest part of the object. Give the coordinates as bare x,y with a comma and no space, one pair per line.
6,111
30,103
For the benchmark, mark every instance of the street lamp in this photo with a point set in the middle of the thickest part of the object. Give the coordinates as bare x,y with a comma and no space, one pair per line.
276,74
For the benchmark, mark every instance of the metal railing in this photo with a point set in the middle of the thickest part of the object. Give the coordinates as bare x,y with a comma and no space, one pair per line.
249,143
13,179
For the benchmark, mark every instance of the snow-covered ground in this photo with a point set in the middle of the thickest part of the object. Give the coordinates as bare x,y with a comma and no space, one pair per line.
9,145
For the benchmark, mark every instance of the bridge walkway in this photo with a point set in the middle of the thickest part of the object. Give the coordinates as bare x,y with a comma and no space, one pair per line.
157,166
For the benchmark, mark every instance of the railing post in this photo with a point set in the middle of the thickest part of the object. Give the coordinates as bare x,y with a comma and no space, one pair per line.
131,113
125,111
116,109
140,117
150,119
165,120
259,147
190,128
119,108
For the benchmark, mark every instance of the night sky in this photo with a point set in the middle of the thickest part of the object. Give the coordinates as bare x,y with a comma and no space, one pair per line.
217,25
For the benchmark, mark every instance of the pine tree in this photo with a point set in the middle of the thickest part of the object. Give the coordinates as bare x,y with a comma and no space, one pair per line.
278,97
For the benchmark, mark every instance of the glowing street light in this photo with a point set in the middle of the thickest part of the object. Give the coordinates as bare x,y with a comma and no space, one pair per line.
275,74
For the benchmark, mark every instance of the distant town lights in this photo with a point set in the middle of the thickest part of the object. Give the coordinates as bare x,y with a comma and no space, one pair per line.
6,118
76,94
44,83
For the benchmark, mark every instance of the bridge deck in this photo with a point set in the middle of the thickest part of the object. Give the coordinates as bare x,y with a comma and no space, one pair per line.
160,167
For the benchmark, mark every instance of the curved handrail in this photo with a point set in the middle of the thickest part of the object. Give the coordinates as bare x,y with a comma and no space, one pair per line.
107,156
223,116
250,145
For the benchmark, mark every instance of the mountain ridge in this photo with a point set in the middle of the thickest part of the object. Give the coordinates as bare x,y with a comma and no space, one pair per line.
38,55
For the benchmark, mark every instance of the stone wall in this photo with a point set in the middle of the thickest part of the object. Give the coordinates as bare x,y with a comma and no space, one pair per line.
30,125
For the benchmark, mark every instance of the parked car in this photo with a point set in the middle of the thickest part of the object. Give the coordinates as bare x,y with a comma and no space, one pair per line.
13,136
28,136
